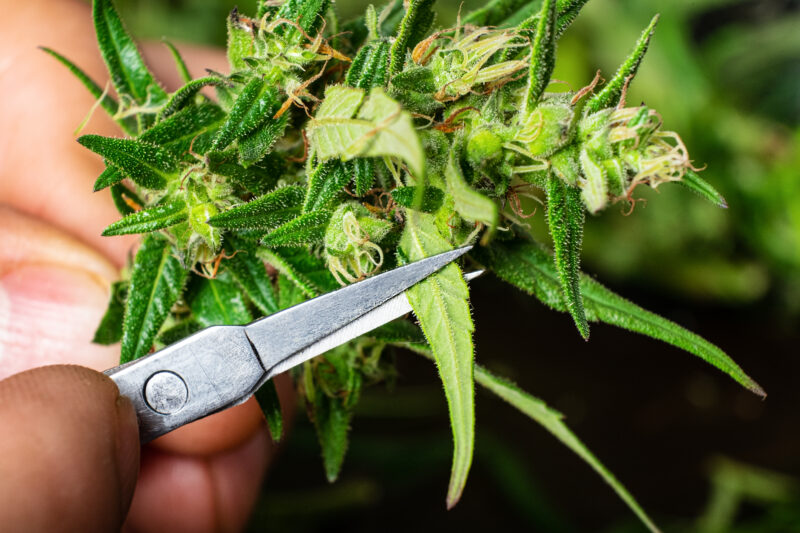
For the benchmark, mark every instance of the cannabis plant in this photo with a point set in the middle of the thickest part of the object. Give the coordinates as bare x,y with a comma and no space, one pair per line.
333,151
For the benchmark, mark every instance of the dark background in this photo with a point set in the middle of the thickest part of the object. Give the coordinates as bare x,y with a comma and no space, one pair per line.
679,434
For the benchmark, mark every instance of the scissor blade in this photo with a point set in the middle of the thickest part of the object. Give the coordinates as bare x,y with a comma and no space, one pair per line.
288,338
383,314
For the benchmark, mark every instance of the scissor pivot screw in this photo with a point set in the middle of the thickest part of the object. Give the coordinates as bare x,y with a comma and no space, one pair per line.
166,392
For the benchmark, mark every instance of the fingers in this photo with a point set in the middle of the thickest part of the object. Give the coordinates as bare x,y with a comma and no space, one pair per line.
69,452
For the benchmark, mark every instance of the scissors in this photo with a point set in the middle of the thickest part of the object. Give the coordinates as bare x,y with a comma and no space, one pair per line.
222,366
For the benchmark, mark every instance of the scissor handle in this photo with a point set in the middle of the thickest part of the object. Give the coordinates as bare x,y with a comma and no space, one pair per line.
212,370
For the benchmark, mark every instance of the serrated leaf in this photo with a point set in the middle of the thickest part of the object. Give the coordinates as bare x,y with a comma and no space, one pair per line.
186,94
553,422
257,179
332,422
692,181
609,95
382,128
327,179
146,164
180,64
567,12
125,200
565,220
308,228
107,102
265,213
249,272
441,305
109,331
530,268
432,198
110,176
543,54
469,203
363,172
129,74
150,219
219,302
267,398
414,27
157,279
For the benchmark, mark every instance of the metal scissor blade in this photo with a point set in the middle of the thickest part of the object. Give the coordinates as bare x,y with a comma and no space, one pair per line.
383,314
290,337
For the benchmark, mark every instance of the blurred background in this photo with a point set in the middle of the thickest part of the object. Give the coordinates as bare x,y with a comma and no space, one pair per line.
698,452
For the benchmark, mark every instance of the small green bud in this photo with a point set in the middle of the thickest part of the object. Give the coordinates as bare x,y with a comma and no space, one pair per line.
484,147
549,127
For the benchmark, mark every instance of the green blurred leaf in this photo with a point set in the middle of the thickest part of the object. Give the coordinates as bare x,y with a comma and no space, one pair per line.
125,200
469,203
157,279
267,398
692,181
432,198
441,305
109,331
308,228
180,64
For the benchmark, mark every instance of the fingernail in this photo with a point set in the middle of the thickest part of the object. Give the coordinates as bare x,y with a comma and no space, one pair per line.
48,315
127,448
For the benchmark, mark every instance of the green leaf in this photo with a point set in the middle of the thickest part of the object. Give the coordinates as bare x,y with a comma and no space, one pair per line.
290,271
110,329
257,179
186,94
179,331
129,74
241,42
109,177
125,200
415,26
243,109
363,172
265,213
219,302
267,398
398,331
609,95
441,305
150,219
188,128
543,54
249,271
553,422
180,64
567,12
494,12
308,228
382,128
147,165
327,179
370,67
332,422
469,203
107,102
565,219
157,279
308,14
432,198
692,181
258,143
530,268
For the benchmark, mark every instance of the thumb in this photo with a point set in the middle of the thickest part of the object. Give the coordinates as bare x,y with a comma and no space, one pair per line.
69,451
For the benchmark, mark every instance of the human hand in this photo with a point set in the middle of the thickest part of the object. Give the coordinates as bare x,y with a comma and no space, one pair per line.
55,270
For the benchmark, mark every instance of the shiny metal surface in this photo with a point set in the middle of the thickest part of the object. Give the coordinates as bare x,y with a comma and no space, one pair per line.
222,366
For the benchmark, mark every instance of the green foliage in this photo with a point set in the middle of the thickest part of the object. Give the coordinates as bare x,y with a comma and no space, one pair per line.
441,305
267,397
157,279
421,143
